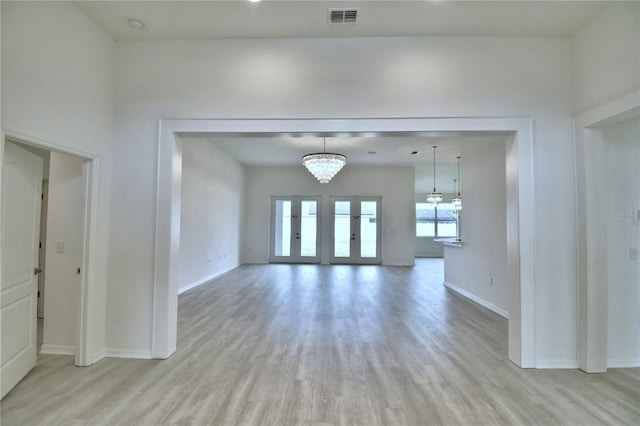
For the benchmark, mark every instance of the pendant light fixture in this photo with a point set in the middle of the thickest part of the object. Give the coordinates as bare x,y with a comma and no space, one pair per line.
325,165
435,197
454,189
457,200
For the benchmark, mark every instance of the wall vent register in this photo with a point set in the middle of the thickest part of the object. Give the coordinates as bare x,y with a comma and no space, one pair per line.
343,16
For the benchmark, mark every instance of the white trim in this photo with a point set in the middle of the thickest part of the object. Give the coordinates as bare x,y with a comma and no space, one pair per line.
557,364
204,280
595,115
478,300
521,241
58,350
126,353
84,315
43,143
623,363
164,327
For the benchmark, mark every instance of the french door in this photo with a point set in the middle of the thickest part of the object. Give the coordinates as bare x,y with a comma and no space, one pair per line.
356,230
295,229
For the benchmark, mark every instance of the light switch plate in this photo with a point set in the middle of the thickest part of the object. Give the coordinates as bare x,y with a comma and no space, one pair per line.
60,247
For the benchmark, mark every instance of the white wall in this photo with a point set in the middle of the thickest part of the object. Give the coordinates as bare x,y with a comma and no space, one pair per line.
343,78
394,184
623,233
211,212
483,228
58,85
606,56
64,225
426,247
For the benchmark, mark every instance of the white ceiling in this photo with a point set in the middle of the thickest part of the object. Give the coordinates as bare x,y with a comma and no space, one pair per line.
369,151
191,20
184,19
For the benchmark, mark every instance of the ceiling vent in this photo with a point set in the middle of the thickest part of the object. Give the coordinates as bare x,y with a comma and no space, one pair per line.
343,16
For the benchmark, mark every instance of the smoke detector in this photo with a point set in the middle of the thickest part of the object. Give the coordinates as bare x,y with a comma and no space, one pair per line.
135,24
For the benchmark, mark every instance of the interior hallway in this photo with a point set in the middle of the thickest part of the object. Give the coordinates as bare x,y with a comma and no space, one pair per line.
309,344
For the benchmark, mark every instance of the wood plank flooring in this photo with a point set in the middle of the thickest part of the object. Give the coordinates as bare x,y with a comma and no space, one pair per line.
317,345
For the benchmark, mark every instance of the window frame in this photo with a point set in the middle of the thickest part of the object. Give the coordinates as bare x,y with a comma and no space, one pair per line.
436,221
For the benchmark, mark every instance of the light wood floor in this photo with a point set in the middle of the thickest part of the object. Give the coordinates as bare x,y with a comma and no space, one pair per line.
284,344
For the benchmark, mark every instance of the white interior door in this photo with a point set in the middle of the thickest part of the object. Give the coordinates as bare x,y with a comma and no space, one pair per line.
21,192
356,230
295,229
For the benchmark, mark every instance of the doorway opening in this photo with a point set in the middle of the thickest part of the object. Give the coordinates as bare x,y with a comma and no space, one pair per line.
62,262
295,229
608,234
356,230
520,205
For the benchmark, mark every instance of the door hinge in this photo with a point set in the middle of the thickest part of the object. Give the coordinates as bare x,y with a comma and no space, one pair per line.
78,271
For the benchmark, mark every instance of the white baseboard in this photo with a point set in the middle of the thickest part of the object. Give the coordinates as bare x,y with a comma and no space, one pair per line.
478,300
116,353
554,364
204,280
623,363
126,353
58,350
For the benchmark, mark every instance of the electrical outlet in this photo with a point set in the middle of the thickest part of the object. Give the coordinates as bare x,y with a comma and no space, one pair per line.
633,253
60,247
208,260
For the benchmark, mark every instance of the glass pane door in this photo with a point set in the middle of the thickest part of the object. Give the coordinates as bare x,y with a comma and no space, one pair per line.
342,229
308,228
282,224
368,229
294,229
356,230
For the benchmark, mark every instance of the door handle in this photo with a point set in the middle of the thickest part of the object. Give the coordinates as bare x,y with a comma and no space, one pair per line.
36,271
356,217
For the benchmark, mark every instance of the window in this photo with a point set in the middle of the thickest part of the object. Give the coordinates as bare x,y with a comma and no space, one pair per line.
435,221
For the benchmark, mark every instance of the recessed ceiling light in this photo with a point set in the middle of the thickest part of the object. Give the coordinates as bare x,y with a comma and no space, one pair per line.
254,1
135,24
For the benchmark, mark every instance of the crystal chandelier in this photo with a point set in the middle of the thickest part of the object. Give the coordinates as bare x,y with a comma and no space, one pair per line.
457,200
325,165
434,198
